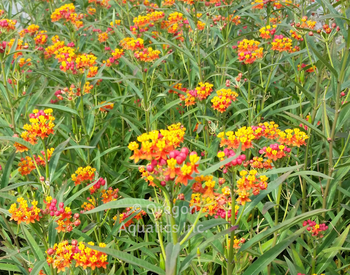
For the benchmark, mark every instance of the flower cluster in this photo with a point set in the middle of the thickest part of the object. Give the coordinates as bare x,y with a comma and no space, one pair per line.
62,255
116,55
281,44
249,51
228,154
125,215
201,92
67,13
41,126
24,213
65,220
212,203
244,136
7,25
83,175
236,242
109,195
147,55
250,183
27,164
223,99
132,44
267,32
275,151
315,229
157,144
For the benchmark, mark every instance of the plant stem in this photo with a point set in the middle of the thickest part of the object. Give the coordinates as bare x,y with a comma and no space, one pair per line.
336,115
230,263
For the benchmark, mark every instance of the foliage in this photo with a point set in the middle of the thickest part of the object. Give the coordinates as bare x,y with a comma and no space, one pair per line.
174,137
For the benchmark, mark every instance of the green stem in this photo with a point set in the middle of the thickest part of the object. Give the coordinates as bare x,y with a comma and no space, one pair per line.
336,115
230,263
192,228
46,162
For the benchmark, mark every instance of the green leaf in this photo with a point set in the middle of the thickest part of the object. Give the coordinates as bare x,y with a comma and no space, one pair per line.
55,158
321,58
164,109
59,107
7,170
126,257
187,261
328,258
307,124
9,267
37,267
13,186
124,203
18,140
217,166
282,226
264,260
172,252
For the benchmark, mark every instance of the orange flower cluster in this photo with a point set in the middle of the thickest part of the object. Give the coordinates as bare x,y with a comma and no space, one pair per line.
91,204
101,3
27,164
270,130
123,216
32,29
41,38
267,32
296,36
243,136
22,62
250,183
7,25
147,55
103,37
201,92
258,163
178,86
236,242
292,137
116,54
157,144
249,51
115,23
210,202
204,90
106,108
24,213
275,151
307,24
83,175
41,126
223,99
109,195
91,10
53,49
20,45
129,43
149,19
62,255
235,20
67,12
281,44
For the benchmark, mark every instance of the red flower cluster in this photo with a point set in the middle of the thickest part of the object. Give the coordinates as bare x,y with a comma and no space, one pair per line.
315,229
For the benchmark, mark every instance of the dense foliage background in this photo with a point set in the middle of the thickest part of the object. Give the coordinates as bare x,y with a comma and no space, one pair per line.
131,130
